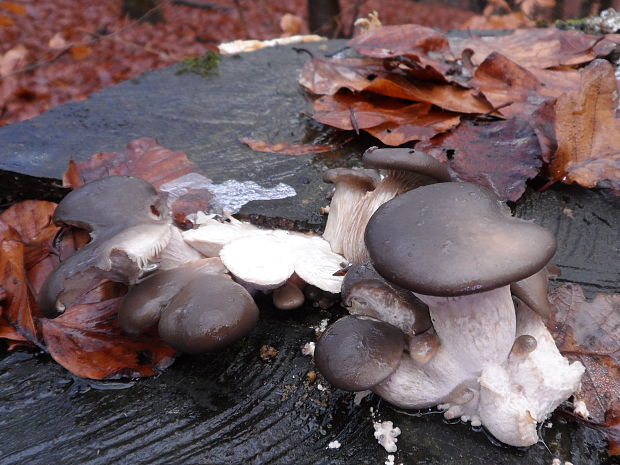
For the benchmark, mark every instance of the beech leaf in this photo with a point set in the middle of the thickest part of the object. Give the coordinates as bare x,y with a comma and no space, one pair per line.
500,155
392,121
588,131
290,148
424,52
540,48
88,341
590,332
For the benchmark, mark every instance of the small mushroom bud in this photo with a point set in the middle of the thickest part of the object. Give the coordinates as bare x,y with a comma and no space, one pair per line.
461,395
422,348
523,345
288,297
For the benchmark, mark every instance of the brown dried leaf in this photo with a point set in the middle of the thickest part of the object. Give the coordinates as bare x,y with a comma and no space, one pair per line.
588,131
516,92
443,95
507,85
289,148
392,121
590,332
13,7
501,155
5,21
88,341
326,76
423,51
80,51
17,307
143,158
515,20
540,48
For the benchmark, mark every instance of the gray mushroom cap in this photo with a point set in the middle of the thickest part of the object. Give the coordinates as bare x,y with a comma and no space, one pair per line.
210,312
143,304
128,224
362,179
533,291
366,292
451,239
358,352
406,159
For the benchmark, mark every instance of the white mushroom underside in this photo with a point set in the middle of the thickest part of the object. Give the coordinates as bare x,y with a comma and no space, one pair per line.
475,376
267,258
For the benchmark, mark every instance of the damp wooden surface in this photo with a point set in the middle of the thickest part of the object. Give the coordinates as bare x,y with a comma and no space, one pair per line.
234,407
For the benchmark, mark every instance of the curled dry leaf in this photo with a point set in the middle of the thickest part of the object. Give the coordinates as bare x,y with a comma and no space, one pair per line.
326,76
392,121
507,86
539,48
26,260
590,332
143,158
500,155
588,131
423,52
14,298
446,96
88,341
291,148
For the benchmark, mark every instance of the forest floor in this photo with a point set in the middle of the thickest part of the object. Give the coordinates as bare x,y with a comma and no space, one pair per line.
61,51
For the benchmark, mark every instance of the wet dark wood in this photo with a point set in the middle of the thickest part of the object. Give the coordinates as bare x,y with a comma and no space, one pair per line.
233,407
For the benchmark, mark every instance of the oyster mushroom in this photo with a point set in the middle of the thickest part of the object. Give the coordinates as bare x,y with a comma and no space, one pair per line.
210,312
366,292
404,169
267,259
196,307
357,352
129,226
351,185
457,248
143,304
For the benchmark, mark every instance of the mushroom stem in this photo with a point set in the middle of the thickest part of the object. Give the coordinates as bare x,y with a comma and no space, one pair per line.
476,329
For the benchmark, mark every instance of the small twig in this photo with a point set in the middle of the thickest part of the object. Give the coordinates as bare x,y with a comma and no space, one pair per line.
303,50
202,5
548,185
354,121
244,24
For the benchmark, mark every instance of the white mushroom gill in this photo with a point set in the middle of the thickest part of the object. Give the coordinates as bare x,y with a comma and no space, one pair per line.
266,258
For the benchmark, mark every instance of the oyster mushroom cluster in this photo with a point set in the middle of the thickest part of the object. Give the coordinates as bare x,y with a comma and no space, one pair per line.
433,319
195,286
